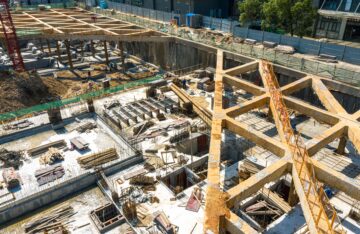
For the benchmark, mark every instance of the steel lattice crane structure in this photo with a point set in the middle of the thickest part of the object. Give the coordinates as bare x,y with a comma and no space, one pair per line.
11,39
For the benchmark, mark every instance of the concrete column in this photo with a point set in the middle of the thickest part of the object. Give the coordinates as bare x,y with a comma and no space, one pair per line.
92,48
106,53
342,28
293,198
41,45
341,146
121,48
82,48
49,47
58,51
90,104
67,45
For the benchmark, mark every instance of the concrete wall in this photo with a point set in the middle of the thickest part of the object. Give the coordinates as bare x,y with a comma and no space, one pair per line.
170,56
23,206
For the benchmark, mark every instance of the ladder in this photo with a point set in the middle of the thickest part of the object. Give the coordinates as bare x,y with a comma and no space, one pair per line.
11,39
323,213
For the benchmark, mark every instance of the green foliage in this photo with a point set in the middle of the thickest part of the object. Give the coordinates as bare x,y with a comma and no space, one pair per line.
292,16
250,10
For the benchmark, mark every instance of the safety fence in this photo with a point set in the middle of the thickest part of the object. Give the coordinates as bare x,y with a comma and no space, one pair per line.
302,45
146,13
330,70
34,5
77,99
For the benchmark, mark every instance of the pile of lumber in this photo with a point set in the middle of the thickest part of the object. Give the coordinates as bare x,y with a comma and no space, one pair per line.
52,156
43,148
92,160
49,174
263,208
249,168
86,126
54,222
142,180
275,199
10,158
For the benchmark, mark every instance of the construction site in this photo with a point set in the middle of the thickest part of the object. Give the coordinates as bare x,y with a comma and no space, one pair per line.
113,123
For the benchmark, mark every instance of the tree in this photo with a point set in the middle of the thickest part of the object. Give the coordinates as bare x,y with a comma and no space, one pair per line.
304,15
293,16
250,11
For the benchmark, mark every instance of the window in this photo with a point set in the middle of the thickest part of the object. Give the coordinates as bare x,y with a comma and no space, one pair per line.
322,25
333,26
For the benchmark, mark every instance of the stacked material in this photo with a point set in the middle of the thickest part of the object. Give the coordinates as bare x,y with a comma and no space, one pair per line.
11,178
249,168
142,180
92,160
51,223
43,148
52,156
49,174
10,158
275,199
86,126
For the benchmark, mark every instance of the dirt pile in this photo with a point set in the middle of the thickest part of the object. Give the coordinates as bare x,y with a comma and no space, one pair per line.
19,91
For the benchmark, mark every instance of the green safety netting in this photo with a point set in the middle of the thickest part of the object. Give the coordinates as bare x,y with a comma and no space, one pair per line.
82,97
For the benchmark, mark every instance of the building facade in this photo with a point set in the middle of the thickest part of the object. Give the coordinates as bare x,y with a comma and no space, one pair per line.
339,19
215,8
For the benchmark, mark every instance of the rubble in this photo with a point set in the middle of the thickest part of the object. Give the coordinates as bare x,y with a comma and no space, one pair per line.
10,158
52,156
11,178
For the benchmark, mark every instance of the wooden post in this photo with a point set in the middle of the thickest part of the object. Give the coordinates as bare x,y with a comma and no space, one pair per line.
92,48
58,51
67,45
106,53
341,146
49,47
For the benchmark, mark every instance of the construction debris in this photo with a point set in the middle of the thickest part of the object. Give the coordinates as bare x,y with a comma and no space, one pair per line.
10,158
248,168
11,178
194,202
18,125
54,222
86,126
52,156
164,224
92,160
129,209
142,180
49,174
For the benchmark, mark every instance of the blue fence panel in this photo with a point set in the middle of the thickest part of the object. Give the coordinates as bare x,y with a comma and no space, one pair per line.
152,14
290,41
226,25
240,32
335,50
273,37
206,22
216,23
309,47
352,55
255,34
